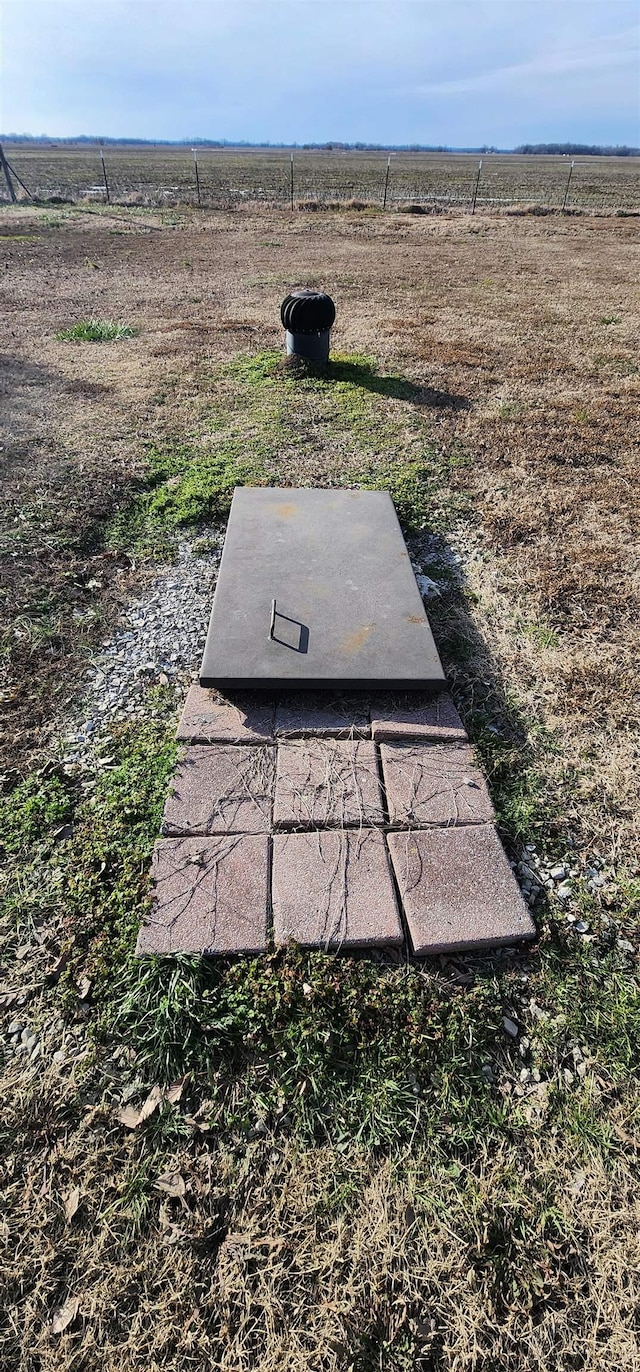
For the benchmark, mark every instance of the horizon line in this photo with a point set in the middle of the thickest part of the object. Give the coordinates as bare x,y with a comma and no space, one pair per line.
562,147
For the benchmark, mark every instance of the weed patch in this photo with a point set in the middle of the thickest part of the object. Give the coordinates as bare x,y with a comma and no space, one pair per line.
96,331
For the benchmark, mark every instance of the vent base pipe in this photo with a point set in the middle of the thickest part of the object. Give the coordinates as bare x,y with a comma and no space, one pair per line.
308,316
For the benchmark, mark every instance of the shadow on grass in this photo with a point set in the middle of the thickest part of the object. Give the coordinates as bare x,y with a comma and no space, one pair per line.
52,560
441,400
362,374
496,726
397,387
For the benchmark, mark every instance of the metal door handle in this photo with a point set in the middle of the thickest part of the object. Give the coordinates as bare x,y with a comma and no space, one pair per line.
302,646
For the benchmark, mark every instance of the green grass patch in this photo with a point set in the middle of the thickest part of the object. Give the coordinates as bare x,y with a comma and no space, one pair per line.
540,634
38,806
618,363
347,425
182,488
96,331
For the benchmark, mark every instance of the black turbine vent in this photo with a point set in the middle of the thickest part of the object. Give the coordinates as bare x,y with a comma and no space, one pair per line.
307,312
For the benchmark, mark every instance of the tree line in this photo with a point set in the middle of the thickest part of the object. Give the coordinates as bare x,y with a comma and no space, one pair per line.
546,149
578,149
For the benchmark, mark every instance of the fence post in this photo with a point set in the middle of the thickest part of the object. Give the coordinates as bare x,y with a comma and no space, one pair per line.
18,178
195,163
292,180
5,167
475,189
104,174
566,189
386,183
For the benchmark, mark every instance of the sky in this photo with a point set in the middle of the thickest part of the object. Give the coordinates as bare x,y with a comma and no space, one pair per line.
454,72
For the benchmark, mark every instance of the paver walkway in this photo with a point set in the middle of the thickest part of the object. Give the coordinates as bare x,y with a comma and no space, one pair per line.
330,823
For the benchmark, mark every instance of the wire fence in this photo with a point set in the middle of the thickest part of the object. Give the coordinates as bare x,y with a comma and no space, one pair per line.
216,178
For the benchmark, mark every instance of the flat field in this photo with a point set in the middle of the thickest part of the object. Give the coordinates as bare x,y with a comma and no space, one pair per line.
233,176
302,1161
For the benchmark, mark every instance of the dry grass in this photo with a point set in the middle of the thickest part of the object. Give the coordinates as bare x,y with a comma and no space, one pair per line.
289,1259
269,1254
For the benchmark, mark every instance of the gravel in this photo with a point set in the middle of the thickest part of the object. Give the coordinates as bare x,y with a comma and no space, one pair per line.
159,641
536,876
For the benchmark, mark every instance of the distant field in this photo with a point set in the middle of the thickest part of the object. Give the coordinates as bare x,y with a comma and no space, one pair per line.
230,176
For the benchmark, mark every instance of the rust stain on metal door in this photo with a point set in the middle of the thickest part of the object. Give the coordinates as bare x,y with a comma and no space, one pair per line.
354,641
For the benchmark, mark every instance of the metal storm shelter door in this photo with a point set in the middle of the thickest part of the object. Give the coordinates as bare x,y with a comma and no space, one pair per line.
316,590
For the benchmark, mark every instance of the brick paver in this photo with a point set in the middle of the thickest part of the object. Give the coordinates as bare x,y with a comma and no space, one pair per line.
223,789
335,718
458,889
334,889
208,719
258,771
433,719
327,783
210,896
433,783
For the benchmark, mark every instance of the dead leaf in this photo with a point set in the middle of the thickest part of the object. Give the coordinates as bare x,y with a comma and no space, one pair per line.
152,1102
131,1117
172,1183
71,1203
202,1126
65,1315
624,1136
128,1116
196,1121
577,1182
174,1092
84,987
54,973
